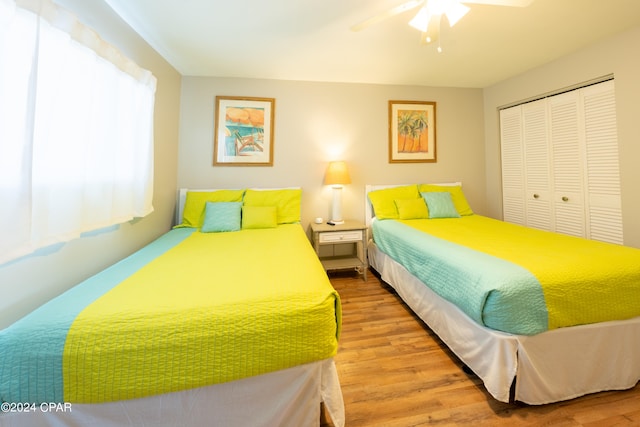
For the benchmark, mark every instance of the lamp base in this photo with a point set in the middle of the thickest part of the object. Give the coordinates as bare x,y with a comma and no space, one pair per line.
336,211
336,222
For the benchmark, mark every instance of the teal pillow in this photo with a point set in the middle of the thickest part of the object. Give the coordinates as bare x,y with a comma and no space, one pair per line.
221,216
440,205
193,214
457,195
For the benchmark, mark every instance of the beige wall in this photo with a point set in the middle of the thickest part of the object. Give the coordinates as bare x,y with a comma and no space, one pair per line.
319,122
29,282
618,56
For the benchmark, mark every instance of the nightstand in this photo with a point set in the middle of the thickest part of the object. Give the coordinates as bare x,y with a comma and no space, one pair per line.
346,243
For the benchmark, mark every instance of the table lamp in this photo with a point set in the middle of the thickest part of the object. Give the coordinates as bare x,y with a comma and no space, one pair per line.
337,175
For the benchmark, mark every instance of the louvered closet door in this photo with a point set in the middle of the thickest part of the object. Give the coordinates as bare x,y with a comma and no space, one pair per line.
539,205
602,160
566,126
560,169
513,204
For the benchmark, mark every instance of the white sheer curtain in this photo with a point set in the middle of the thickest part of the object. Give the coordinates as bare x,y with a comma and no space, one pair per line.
76,130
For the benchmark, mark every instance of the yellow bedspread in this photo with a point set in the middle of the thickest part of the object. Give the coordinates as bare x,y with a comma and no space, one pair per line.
583,281
217,307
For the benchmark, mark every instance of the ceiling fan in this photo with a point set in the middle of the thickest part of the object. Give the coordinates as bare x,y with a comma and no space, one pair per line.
428,18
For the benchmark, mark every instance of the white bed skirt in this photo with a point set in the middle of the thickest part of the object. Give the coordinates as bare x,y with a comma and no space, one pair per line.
290,397
553,366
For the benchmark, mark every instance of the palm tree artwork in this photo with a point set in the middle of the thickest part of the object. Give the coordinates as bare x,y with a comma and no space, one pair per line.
413,131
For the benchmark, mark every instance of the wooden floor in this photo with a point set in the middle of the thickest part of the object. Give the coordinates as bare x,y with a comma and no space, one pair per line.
395,372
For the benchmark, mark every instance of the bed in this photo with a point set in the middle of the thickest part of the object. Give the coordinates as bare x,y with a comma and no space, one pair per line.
229,318
520,307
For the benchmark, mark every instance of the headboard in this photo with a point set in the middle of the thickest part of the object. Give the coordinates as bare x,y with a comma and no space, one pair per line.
368,208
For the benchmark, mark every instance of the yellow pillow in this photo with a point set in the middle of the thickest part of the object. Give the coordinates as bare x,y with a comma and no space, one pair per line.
286,201
259,217
459,200
412,208
383,201
193,212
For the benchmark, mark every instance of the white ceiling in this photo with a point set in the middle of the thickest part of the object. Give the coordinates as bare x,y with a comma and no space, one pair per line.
311,39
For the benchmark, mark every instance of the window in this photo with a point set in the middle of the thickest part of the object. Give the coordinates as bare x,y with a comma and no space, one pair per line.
76,130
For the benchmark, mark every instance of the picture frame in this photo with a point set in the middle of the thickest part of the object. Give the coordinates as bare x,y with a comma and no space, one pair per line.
412,132
243,131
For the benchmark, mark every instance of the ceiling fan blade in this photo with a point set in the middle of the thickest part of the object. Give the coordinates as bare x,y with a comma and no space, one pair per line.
388,14
514,3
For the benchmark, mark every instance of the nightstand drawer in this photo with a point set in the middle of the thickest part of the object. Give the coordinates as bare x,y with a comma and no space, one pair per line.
341,236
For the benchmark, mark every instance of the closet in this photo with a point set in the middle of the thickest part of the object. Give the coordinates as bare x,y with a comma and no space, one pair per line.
560,168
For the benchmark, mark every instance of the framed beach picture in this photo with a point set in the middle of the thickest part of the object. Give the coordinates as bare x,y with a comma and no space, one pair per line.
243,131
412,132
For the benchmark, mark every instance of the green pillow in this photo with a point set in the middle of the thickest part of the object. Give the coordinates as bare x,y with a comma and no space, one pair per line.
412,208
457,195
286,201
259,217
193,212
221,216
383,201
440,205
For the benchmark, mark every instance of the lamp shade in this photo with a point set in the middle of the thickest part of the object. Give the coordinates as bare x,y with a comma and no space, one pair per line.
337,173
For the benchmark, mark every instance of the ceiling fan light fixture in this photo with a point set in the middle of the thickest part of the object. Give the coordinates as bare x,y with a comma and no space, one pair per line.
421,21
455,11
430,13
434,9
438,7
